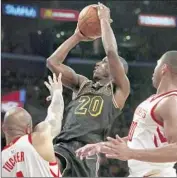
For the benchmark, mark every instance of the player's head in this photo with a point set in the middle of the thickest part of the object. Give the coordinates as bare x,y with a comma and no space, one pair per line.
166,68
17,122
102,71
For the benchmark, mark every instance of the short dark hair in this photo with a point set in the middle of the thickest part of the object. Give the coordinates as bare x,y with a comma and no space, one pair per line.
170,58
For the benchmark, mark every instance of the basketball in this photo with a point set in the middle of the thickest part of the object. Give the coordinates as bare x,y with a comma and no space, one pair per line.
89,23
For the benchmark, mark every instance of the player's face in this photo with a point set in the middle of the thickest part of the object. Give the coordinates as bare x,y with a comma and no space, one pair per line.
157,75
101,69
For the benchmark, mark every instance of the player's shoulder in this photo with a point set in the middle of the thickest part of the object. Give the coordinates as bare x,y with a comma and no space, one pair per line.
42,132
170,100
167,103
81,80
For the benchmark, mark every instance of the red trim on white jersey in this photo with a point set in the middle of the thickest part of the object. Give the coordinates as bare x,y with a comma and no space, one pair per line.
153,115
11,143
157,96
155,141
30,138
53,163
54,175
154,107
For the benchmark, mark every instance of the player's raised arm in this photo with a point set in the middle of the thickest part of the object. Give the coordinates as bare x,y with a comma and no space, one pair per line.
51,126
110,45
69,78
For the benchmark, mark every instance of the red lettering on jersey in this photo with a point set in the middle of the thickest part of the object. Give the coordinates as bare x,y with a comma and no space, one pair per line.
12,162
18,157
9,166
6,168
15,159
22,156
141,112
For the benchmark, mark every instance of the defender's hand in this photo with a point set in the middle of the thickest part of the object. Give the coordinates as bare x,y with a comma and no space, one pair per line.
54,84
104,12
88,150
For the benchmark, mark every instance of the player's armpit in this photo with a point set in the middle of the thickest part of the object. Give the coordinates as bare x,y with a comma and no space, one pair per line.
70,78
167,111
119,98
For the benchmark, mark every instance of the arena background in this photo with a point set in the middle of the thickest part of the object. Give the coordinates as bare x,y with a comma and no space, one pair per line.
32,30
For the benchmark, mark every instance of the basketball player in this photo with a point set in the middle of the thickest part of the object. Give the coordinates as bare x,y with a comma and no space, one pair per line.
96,104
30,153
151,149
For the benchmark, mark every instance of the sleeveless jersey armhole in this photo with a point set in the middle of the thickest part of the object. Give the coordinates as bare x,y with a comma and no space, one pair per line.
30,138
154,107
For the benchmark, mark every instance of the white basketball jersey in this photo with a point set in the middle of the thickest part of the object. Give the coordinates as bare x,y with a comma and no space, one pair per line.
20,159
147,132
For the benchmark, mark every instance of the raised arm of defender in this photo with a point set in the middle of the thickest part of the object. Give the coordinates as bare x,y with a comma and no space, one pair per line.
51,126
116,68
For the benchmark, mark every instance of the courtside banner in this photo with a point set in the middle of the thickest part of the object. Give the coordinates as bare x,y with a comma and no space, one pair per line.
157,21
59,14
13,99
20,10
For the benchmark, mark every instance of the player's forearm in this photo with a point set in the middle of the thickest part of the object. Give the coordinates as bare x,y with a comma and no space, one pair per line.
55,112
108,38
116,68
62,51
159,155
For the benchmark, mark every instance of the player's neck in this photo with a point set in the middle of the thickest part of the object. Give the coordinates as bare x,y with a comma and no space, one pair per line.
9,140
166,86
103,81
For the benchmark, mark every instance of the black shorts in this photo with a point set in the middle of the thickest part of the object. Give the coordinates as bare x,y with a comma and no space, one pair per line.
71,166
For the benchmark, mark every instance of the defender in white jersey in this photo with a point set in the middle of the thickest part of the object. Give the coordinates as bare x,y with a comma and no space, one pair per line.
30,153
151,145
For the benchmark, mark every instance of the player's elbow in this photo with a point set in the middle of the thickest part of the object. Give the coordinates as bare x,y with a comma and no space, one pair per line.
49,63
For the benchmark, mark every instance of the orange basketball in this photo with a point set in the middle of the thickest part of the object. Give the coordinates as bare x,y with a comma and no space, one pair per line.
89,23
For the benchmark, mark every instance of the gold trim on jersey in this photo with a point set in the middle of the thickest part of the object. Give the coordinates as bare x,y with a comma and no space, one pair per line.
113,99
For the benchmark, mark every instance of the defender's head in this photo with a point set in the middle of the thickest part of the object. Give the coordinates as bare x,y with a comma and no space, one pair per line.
102,71
166,68
17,122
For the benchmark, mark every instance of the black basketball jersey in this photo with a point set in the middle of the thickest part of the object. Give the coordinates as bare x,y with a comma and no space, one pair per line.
89,114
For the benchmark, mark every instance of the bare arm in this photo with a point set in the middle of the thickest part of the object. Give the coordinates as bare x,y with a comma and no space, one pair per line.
115,65
167,111
69,78
51,126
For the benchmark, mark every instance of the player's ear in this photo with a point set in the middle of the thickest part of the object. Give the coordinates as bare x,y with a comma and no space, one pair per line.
3,128
164,69
28,130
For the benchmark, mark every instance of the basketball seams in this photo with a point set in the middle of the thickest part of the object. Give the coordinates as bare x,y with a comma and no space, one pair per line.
89,19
